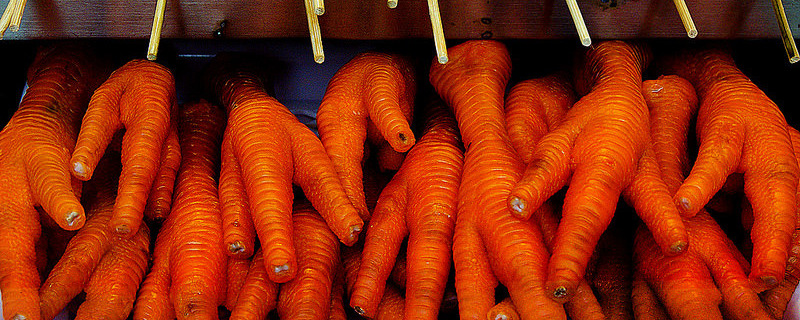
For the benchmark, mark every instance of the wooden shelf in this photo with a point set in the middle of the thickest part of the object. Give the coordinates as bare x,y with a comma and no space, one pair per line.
358,19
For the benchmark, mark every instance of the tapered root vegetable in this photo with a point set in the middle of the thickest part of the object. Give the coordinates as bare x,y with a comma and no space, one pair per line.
35,146
160,200
259,295
140,97
153,301
197,259
505,310
392,303
489,244
111,291
274,149
740,129
236,274
308,296
337,294
239,233
645,302
599,144
419,202
372,89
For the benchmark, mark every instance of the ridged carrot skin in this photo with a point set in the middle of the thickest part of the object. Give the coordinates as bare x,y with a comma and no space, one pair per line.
239,234
645,302
197,257
86,249
337,294
153,301
392,303
740,129
259,295
505,310
159,201
419,202
399,273
308,296
533,108
712,271
596,148
111,291
34,148
140,97
488,240
373,88
236,275
274,149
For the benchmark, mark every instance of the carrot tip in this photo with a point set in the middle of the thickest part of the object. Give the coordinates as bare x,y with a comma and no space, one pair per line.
80,169
360,310
71,217
354,231
278,270
677,247
656,88
560,292
123,229
685,204
236,247
19,317
517,204
500,317
769,281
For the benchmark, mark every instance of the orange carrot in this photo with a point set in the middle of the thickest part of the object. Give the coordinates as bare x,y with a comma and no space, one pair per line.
645,302
399,273
489,244
611,277
373,88
237,273
337,295
239,233
740,129
274,149
34,149
598,144
160,199
392,304
153,301
308,295
111,291
197,258
139,96
505,310
259,294
420,202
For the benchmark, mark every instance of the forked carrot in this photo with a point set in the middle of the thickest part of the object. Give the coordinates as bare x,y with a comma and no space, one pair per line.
111,291
140,97
308,296
197,260
596,149
274,149
489,243
239,234
740,129
35,146
236,274
159,201
505,310
153,301
372,89
420,202
259,295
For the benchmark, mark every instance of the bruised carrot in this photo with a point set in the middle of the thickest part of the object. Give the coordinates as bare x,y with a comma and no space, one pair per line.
197,258
236,274
740,129
239,234
259,295
420,202
598,144
153,301
34,149
373,88
274,149
111,291
489,243
505,310
139,96
159,201
308,295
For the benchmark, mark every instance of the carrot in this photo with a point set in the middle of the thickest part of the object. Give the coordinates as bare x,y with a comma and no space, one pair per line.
399,273
239,233
599,144
160,200
111,291
740,129
153,301
611,277
373,88
197,258
420,202
337,295
274,149
392,304
645,302
86,249
237,273
259,294
308,295
712,271
139,96
505,310
35,146
489,244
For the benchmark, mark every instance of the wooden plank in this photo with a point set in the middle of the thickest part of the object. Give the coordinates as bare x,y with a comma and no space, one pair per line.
358,19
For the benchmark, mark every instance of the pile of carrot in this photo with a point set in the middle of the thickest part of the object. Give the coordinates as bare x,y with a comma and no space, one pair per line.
468,196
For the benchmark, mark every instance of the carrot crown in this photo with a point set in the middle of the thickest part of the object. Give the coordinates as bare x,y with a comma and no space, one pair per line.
602,64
